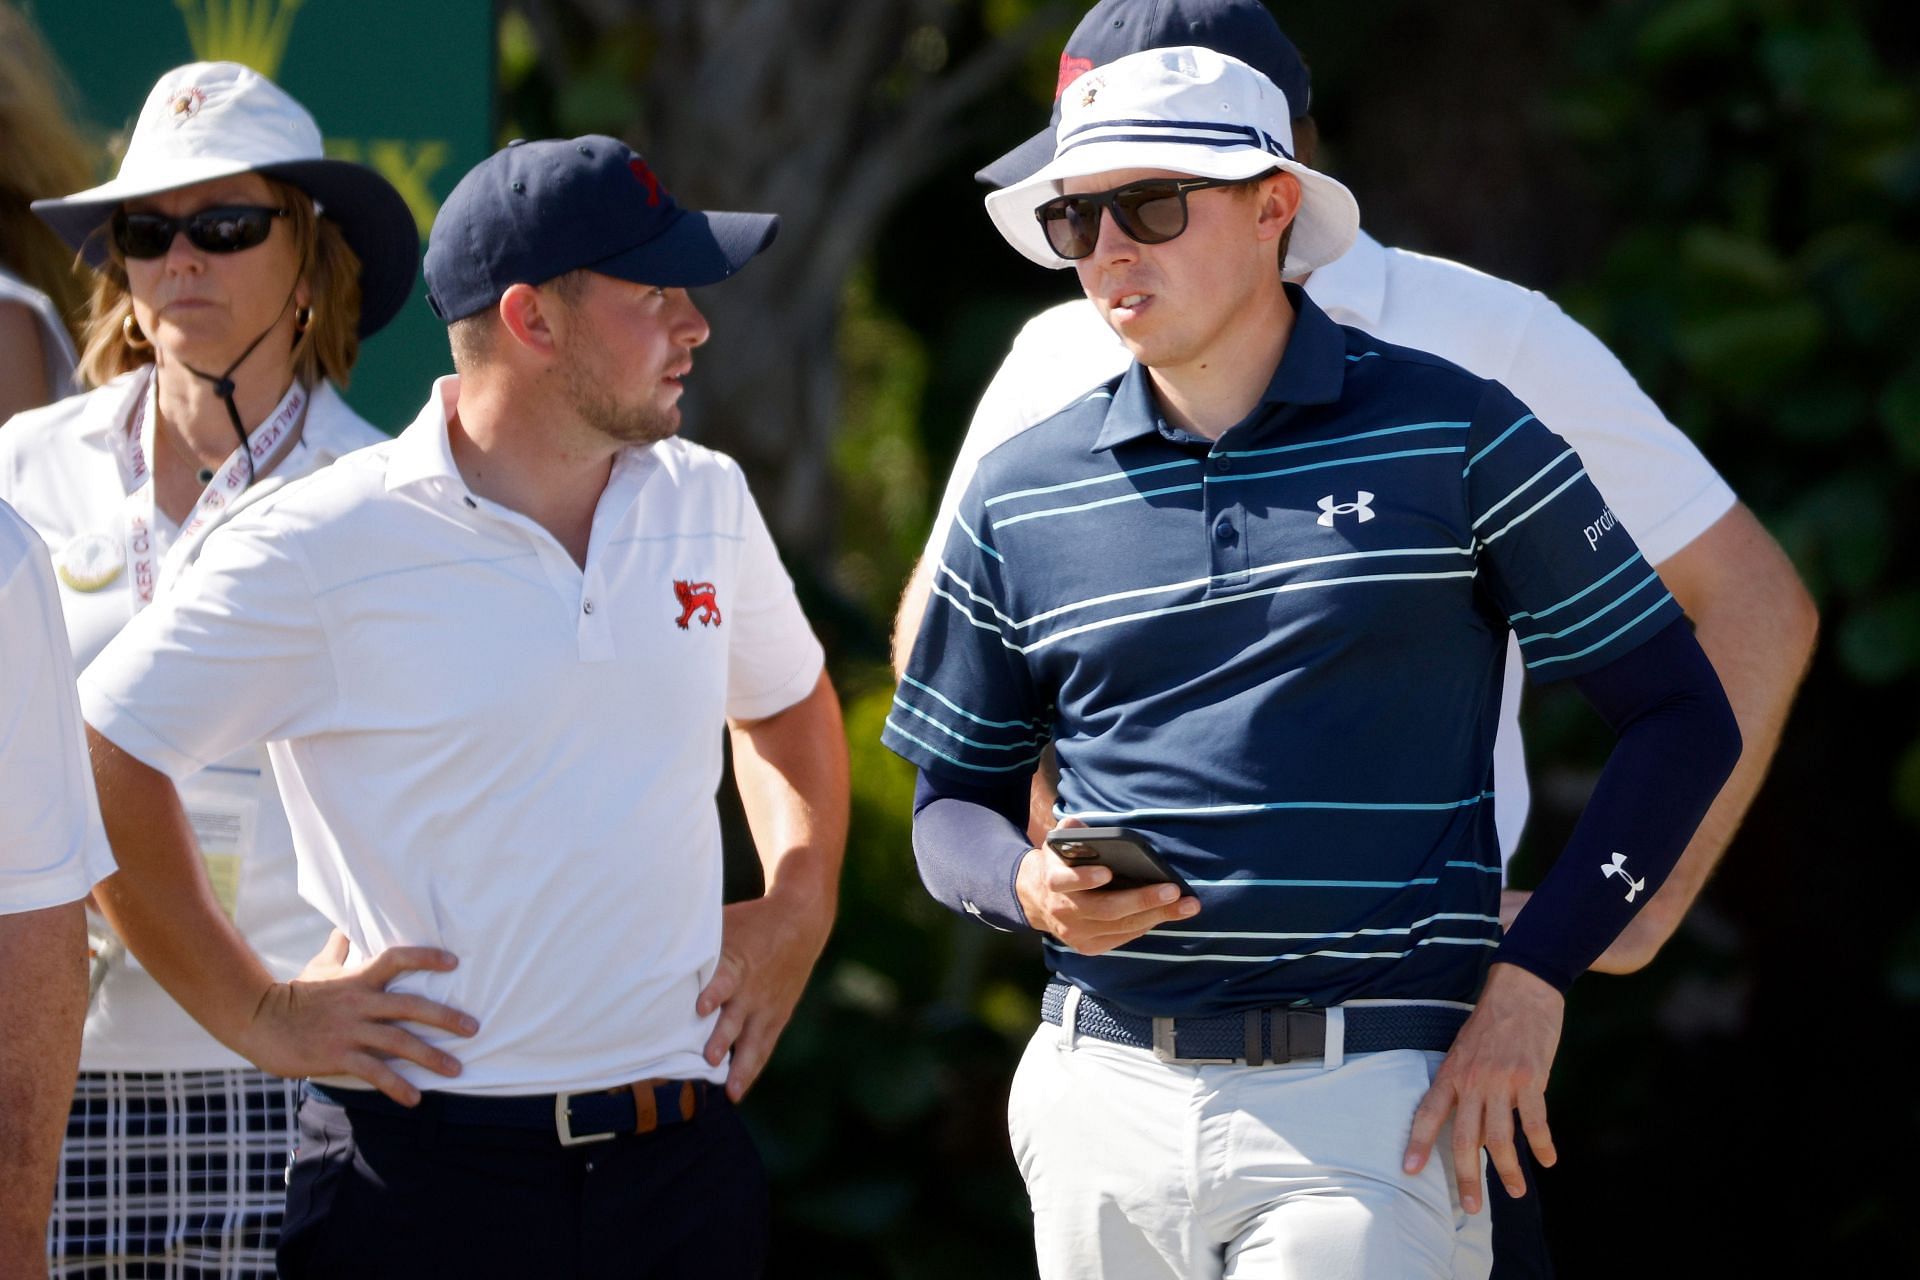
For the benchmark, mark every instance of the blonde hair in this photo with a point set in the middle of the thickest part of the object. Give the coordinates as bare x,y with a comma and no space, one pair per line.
329,265
41,155
471,337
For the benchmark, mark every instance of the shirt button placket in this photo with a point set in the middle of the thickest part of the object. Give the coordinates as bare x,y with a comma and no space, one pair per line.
595,636
1226,528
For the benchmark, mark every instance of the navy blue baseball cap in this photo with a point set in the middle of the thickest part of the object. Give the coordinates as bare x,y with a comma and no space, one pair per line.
1112,29
536,210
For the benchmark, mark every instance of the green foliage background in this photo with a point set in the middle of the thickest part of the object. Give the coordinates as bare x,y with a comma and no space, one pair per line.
1728,193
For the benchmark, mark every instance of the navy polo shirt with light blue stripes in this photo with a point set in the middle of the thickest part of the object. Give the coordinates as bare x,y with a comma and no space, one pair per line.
1279,655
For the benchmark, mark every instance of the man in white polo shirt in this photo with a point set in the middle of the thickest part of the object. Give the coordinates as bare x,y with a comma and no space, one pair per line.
494,660
52,851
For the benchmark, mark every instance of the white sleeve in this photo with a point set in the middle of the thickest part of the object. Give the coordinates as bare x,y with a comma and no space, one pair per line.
773,657
233,654
1057,356
1660,485
53,848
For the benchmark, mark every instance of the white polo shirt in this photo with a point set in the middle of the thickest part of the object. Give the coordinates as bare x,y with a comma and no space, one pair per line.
52,846
1662,488
60,470
482,746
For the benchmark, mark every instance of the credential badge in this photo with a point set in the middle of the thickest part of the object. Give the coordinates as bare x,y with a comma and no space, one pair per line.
89,561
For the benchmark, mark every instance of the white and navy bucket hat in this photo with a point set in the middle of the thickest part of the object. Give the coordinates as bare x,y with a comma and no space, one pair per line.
1187,110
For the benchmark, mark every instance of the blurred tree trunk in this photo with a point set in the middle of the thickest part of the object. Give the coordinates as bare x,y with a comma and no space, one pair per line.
826,112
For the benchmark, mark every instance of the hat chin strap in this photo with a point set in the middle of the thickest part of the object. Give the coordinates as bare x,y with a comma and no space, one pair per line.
223,383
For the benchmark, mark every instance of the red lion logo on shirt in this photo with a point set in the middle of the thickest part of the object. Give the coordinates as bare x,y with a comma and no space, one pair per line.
696,596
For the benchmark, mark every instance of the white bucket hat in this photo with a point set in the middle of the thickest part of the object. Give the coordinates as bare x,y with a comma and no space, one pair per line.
1189,110
210,120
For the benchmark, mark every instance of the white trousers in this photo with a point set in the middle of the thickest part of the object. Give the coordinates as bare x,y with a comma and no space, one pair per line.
1141,1170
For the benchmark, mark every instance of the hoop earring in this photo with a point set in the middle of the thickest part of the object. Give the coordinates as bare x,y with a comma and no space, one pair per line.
302,319
130,333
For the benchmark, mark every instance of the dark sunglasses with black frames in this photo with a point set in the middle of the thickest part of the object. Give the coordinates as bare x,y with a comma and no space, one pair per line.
1151,211
226,229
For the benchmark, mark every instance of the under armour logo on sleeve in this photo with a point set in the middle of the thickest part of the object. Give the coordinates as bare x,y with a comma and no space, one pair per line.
1619,867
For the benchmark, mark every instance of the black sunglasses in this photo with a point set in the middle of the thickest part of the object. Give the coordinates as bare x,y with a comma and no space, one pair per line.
227,229
1151,211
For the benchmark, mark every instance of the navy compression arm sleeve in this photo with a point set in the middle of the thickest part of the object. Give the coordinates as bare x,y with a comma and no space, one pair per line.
968,840
1678,742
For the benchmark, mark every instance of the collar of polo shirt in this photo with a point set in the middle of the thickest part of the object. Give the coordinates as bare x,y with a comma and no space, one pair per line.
422,456
1310,372
426,457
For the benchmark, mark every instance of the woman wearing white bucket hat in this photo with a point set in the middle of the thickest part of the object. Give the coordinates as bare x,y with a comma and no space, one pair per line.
236,271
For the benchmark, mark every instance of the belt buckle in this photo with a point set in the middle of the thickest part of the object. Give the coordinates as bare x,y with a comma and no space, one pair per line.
1300,1035
563,1123
1163,1048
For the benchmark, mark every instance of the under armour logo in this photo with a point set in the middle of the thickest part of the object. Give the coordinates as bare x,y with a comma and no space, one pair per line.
1329,509
1619,867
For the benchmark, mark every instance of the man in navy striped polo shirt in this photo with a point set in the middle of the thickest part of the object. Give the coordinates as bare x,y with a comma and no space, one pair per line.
1257,592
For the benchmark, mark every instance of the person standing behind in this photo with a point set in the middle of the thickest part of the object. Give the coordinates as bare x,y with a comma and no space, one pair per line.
236,271
40,155
52,851
1257,591
493,660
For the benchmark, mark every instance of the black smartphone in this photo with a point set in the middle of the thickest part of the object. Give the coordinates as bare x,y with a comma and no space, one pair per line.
1126,853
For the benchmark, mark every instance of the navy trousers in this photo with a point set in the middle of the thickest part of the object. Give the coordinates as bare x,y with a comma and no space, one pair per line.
1519,1229
372,1194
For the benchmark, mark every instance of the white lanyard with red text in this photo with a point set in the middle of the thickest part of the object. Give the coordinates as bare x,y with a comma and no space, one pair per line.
134,445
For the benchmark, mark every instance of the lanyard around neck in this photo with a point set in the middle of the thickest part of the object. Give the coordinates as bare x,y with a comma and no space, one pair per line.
261,452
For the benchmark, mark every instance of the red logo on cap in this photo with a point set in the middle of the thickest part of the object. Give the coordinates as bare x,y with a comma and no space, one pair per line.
645,175
1071,69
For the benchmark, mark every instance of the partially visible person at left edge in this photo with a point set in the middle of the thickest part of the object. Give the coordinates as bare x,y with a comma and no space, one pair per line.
235,272
494,660
40,155
52,851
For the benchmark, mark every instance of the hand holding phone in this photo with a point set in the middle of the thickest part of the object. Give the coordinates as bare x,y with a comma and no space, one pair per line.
1125,852
1141,894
